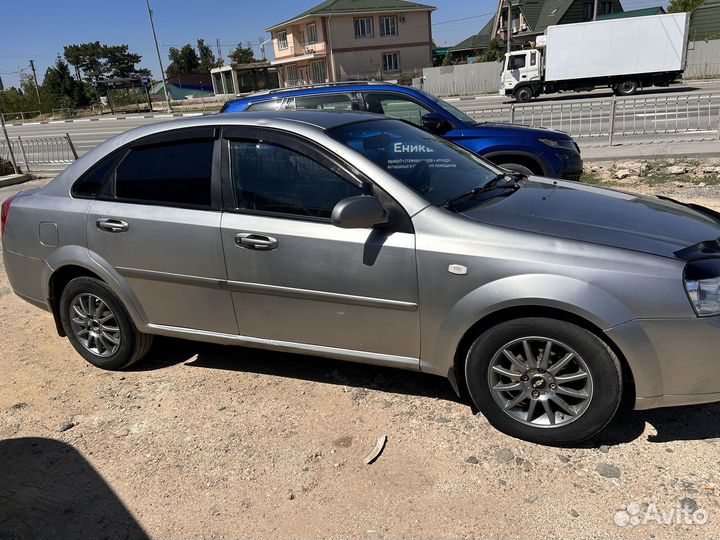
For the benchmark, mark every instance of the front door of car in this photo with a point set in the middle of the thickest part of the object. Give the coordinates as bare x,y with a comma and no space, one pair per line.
157,223
297,278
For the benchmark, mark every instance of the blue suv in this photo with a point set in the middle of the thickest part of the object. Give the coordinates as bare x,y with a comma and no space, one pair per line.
524,149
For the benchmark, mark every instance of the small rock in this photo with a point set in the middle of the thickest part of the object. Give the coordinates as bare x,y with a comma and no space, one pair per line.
473,460
530,499
564,459
124,432
574,513
688,504
712,440
221,408
443,420
604,448
504,455
622,173
607,470
66,426
702,184
19,406
527,467
502,482
291,494
676,169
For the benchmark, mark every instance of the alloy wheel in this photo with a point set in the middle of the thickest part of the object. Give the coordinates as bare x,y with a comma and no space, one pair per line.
540,382
94,325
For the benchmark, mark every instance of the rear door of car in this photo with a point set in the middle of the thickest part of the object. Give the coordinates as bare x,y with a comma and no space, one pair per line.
157,222
294,276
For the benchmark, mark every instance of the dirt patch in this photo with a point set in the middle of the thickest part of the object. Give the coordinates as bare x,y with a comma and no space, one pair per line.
207,441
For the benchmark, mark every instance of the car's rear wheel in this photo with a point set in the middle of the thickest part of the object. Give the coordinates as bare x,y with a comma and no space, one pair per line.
544,380
98,325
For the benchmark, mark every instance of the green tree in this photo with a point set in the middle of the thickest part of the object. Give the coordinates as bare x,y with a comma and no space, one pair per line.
242,55
60,90
494,52
99,61
182,61
207,58
678,6
120,62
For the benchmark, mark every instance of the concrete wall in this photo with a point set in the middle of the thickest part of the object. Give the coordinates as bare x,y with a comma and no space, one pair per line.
463,79
703,60
415,29
368,64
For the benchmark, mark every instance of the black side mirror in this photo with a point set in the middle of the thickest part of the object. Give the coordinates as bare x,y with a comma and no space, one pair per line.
435,123
361,212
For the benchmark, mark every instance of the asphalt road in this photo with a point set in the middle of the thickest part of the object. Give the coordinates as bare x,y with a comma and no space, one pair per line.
579,114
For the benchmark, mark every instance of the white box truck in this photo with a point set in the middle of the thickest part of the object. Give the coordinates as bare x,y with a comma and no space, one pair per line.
624,54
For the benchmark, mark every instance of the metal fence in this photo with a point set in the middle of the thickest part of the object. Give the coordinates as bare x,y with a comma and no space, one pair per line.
606,120
34,154
22,116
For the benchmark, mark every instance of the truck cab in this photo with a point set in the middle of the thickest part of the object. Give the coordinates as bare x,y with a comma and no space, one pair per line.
522,73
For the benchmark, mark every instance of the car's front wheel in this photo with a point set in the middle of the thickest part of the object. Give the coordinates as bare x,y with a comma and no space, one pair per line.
544,380
98,325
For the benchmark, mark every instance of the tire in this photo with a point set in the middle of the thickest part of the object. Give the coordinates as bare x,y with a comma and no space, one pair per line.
626,87
515,167
98,325
508,409
523,94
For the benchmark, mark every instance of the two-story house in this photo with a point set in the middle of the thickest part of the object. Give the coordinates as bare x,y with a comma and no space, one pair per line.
340,40
528,19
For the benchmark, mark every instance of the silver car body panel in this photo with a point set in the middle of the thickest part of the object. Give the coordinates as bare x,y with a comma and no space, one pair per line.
386,299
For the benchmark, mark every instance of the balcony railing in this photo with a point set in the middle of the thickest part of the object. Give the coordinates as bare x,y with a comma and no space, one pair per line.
301,49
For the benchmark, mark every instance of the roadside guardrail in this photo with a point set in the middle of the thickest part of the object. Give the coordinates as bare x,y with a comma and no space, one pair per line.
35,154
611,119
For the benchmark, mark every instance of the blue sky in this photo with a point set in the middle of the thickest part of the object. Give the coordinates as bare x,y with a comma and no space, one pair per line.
38,29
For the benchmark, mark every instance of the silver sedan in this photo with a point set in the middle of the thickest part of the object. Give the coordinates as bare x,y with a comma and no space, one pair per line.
354,236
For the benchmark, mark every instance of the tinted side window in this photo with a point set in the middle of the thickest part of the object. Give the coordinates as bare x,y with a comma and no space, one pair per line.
272,105
271,178
92,182
396,106
327,102
174,173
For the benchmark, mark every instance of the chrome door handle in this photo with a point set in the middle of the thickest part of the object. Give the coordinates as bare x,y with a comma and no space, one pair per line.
112,225
258,242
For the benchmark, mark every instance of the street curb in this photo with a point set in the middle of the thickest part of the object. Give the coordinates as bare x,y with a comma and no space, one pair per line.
107,118
12,179
647,151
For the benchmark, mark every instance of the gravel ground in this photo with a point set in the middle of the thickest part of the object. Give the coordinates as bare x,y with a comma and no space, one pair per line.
217,442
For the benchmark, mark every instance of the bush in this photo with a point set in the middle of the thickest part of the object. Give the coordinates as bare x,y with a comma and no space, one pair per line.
6,167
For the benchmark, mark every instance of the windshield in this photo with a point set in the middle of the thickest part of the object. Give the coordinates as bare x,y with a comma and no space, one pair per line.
435,168
457,113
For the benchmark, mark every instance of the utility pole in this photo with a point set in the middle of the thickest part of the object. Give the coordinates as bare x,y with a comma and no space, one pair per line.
37,88
595,10
157,48
509,28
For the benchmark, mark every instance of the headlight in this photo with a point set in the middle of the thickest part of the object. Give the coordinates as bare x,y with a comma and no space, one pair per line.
702,282
567,144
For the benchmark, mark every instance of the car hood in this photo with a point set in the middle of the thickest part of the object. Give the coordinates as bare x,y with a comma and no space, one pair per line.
601,216
496,129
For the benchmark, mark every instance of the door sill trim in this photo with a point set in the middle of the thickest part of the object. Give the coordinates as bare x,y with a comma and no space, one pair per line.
365,357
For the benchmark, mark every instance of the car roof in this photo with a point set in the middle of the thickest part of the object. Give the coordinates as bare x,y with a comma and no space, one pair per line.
293,121
279,93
